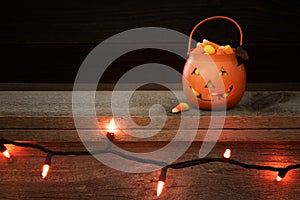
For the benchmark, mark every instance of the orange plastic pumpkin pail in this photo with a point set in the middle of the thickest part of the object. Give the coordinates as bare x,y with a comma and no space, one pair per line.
213,81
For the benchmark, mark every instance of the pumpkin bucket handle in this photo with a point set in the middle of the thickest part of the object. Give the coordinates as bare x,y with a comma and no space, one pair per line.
208,19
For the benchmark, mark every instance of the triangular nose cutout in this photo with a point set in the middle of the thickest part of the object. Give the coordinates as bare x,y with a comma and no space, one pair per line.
209,84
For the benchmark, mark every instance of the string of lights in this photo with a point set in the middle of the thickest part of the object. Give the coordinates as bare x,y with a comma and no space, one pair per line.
282,171
50,153
226,158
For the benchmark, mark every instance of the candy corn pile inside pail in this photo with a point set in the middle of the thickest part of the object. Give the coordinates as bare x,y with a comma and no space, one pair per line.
211,48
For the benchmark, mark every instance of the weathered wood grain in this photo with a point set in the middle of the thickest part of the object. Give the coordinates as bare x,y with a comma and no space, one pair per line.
59,103
86,178
263,129
67,123
165,135
47,116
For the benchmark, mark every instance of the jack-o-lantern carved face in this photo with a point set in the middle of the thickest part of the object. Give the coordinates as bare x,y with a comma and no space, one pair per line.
213,81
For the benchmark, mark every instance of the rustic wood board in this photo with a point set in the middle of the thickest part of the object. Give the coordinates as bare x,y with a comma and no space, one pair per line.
47,116
66,123
227,135
263,129
59,103
86,178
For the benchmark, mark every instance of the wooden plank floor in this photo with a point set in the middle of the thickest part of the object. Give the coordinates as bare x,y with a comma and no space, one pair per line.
263,129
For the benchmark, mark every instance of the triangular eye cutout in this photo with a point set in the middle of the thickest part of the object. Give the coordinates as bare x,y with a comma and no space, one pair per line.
209,85
222,72
195,72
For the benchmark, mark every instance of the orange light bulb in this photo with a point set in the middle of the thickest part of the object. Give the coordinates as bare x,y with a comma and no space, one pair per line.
112,126
46,166
4,151
278,178
45,171
6,154
281,174
160,187
227,154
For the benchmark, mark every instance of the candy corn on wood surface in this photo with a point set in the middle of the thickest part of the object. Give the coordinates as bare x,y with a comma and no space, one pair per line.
263,129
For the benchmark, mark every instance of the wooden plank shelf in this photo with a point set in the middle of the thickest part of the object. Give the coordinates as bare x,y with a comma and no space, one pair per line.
264,129
86,178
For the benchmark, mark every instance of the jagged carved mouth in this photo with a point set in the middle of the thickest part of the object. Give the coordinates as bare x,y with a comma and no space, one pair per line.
209,96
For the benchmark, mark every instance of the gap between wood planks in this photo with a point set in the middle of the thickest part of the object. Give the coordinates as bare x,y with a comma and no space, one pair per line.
47,116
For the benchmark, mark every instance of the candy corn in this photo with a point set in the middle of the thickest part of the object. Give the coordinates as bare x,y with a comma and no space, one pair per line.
199,44
228,49
209,49
180,108
212,48
220,51
214,45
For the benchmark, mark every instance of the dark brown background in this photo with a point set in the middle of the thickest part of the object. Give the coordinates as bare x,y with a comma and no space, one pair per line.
46,41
